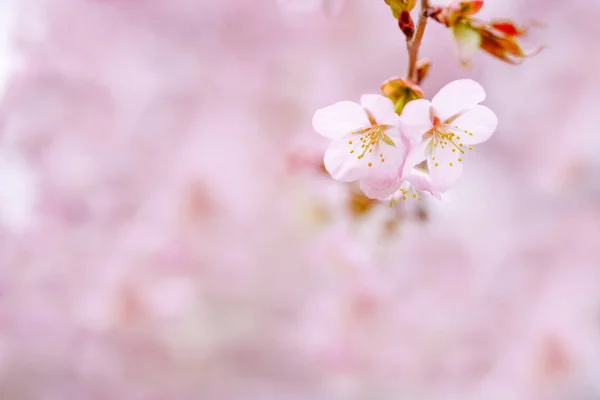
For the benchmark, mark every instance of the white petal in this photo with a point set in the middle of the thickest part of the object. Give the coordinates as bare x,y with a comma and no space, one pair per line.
476,126
417,154
341,165
456,97
394,157
416,120
445,168
384,159
421,180
381,159
379,187
382,178
395,133
381,107
340,119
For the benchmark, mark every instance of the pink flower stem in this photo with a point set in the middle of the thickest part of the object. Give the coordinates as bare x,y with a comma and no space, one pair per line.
413,45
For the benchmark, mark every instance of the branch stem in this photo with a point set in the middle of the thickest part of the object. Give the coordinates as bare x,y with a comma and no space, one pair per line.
414,44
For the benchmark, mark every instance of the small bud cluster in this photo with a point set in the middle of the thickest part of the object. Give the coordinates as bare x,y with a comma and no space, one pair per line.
500,38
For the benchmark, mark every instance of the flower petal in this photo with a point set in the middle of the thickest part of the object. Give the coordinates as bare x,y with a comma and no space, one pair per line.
417,154
421,181
416,120
389,158
476,126
340,119
456,97
341,165
445,168
383,177
379,187
382,108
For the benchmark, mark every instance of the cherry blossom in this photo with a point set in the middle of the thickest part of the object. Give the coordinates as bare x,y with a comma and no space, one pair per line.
366,145
443,130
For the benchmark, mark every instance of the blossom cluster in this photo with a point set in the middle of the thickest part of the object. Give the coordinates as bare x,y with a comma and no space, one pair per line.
398,145
420,150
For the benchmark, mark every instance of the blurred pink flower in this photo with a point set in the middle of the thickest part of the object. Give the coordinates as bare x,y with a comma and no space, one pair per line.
329,7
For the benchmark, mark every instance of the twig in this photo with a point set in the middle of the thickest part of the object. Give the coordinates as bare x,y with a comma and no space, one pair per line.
413,45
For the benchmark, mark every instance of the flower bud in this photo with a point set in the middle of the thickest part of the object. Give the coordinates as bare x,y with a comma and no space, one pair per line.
497,37
401,91
454,12
398,6
406,24
422,68
500,39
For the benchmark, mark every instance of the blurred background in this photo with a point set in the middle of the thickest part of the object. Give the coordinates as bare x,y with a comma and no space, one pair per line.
167,232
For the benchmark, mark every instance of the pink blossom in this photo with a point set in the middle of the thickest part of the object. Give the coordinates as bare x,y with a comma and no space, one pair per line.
366,143
443,130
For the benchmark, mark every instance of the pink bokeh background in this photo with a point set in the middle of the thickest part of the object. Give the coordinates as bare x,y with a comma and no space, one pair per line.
166,232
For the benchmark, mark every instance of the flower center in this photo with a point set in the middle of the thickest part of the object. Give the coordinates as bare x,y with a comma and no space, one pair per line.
445,135
369,138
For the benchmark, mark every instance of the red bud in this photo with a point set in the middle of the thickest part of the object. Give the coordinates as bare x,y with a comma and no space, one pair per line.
406,24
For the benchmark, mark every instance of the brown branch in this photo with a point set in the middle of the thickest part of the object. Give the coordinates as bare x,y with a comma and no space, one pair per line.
413,45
